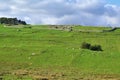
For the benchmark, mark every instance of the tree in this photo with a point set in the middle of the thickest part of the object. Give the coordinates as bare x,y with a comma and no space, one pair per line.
11,21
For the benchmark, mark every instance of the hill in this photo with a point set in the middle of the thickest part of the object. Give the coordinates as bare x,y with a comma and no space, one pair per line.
41,52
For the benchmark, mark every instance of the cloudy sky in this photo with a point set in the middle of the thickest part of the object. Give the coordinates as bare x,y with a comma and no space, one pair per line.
83,12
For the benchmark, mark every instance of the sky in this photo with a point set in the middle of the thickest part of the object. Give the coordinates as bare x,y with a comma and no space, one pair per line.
75,12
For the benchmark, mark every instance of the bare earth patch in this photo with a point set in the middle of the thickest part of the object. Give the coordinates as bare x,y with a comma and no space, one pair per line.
42,74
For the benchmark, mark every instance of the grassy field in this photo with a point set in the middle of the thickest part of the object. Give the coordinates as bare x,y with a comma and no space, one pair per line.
41,53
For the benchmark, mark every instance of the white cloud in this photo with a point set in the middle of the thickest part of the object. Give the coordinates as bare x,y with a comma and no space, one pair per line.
86,12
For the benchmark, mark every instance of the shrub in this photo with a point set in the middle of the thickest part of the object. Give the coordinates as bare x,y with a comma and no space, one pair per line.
96,48
85,45
91,47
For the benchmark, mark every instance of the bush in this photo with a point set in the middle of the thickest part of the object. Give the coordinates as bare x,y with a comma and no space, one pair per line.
91,47
95,48
85,45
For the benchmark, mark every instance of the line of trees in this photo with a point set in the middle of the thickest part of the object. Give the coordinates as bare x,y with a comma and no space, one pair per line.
11,21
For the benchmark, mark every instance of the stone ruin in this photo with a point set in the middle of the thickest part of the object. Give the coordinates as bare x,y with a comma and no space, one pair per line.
62,27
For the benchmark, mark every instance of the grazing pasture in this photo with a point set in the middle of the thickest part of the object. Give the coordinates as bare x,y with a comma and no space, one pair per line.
40,52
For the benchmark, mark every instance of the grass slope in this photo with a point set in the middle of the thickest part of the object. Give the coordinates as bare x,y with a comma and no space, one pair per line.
42,47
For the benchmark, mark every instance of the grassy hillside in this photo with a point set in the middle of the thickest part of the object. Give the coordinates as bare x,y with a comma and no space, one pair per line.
58,51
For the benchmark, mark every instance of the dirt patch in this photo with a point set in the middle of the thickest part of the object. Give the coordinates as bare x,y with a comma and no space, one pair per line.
20,72
37,77
50,74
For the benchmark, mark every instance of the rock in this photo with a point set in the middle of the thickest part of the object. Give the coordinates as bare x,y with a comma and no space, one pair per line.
33,54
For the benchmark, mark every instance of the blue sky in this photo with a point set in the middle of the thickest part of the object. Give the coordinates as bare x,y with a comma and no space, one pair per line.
82,12
115,2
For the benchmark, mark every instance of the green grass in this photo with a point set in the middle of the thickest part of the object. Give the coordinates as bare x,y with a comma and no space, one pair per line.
56,48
